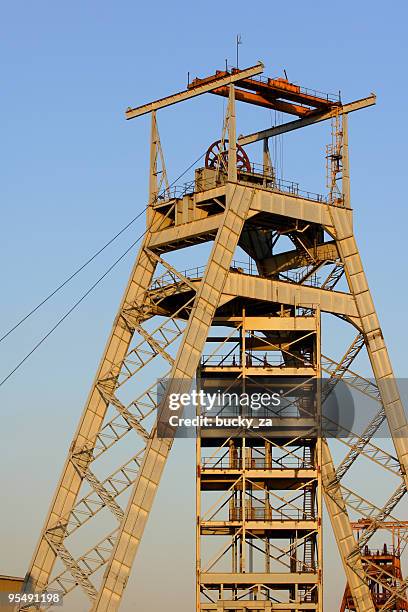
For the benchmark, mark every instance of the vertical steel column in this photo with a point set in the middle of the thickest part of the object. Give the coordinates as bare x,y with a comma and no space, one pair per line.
232,136
153,182
319,443
345,161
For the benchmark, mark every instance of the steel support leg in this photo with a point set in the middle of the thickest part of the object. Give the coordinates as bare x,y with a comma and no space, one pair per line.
343,533
90,424
376,348
184,368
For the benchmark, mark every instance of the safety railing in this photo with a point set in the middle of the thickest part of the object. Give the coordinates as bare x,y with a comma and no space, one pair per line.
197,272
257,175
251,361
387,550
314,280
295,88
272,183
267,513
254,463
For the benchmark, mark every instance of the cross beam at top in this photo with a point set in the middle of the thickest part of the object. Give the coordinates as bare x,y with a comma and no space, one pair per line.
304,121
218,80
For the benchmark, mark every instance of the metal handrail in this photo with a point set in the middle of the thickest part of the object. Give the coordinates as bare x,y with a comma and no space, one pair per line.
198,272
177,192
330,97
273,360
254,463
259,513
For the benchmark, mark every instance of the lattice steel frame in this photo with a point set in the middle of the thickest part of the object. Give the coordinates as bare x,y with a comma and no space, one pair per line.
223,212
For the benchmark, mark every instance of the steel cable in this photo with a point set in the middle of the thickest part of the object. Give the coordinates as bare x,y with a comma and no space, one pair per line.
85,295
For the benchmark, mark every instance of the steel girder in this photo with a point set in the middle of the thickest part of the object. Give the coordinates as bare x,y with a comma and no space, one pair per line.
90,423
370,326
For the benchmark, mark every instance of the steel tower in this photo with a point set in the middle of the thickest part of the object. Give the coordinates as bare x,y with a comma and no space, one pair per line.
268,483
266,319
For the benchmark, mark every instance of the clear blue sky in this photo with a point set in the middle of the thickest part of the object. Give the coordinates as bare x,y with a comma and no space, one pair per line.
73,171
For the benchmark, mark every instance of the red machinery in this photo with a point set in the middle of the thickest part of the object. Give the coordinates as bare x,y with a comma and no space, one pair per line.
383,567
